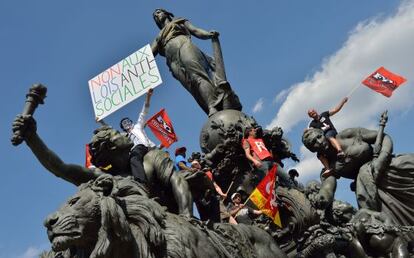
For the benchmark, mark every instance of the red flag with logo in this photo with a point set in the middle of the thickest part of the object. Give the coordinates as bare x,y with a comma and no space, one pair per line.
160,124
264,196
384,81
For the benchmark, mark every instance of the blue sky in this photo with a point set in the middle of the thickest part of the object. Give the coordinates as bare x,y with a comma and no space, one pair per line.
281,58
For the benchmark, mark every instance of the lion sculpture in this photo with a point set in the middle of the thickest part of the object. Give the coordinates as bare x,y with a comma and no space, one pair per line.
113,217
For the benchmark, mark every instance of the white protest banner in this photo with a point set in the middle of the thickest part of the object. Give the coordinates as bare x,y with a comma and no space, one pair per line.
124,82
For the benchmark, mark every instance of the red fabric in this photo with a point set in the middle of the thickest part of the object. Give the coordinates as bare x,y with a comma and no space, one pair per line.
258,147
180,150
271,204
209,175
266,185
160,124
264,196
383,81
88,157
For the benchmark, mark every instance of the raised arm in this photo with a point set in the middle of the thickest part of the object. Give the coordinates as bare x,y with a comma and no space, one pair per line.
144,112
338,107
384,158
380,163
72,173
200,33
219,190
148,97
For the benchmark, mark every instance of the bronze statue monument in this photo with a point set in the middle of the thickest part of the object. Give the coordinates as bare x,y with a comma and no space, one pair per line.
383,182
112,215
201,75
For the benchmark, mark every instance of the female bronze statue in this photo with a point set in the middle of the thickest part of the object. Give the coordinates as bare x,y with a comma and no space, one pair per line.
188,64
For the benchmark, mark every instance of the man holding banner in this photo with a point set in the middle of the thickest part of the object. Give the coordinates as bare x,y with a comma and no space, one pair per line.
322,121
140,139
240,212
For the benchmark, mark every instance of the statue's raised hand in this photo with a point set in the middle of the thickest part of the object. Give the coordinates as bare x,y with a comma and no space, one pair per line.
384,118
24,124
214,34
376,148
277,132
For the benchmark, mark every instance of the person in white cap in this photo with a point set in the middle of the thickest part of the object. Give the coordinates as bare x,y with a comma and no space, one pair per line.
240,212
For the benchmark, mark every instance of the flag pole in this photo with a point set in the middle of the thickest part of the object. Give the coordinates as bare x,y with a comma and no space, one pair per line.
228,189
353,90
244,204
248,198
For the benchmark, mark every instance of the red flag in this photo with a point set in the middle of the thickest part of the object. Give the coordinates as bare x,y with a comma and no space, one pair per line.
264,196
384,81
160,124
88,162
88,157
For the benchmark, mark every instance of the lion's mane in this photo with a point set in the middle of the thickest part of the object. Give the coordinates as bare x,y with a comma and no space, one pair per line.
129,221
133,225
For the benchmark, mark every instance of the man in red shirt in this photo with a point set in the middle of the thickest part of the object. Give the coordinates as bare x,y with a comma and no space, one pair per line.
257,152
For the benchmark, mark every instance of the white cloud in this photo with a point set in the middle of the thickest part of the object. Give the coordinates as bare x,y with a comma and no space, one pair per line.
279,97
386,42
31,252
309,166
258,106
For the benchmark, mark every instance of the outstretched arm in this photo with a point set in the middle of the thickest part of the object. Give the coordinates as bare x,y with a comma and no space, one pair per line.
219,190
148,97
74,174
144,111
200,33
338,107
257,212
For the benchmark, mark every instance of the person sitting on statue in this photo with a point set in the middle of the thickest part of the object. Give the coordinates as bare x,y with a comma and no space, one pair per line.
142,143
293,173
224,214
256,152
322,121
108,147
187,63
195,164
242,213
209,193
384,182
180,161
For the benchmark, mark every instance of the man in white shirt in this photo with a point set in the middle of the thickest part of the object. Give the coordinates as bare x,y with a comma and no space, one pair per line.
140,139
